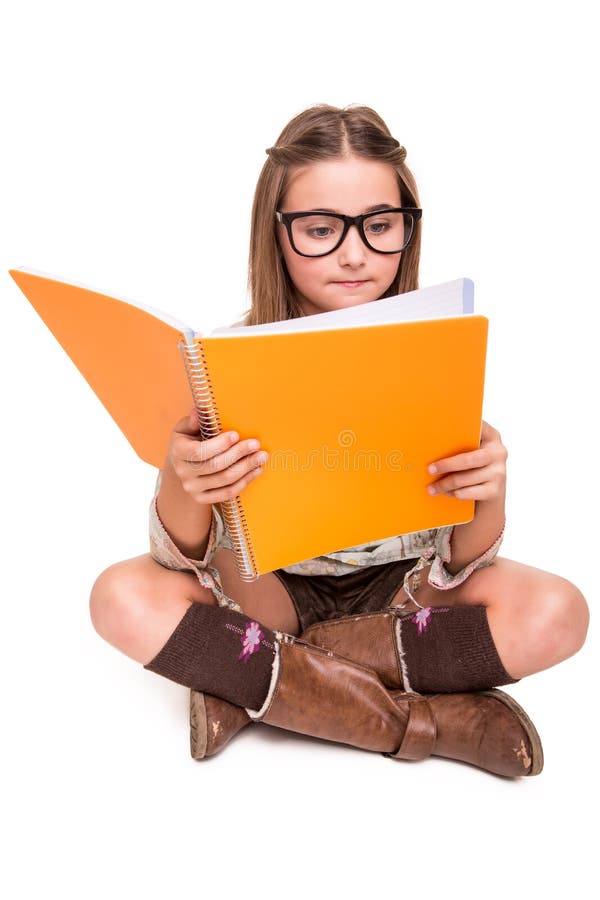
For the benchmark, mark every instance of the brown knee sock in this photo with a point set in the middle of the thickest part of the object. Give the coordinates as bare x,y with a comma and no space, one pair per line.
219,651
449,650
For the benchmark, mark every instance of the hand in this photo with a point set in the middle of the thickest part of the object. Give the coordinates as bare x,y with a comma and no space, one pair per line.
215,469
478,475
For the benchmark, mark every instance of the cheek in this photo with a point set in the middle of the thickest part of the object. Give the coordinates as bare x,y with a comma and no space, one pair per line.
303,271
390,267
293,262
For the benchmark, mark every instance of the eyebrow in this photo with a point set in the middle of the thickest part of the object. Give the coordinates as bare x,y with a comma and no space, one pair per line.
369,209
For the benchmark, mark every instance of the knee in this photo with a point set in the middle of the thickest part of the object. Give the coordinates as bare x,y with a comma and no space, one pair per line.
564,620
116,603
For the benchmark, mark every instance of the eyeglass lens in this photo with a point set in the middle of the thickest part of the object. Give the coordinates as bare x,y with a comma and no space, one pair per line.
385,231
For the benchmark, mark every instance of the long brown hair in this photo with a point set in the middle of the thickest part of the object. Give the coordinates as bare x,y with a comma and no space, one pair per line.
319,133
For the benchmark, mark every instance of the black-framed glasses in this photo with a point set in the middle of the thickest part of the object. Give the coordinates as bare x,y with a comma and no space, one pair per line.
317,233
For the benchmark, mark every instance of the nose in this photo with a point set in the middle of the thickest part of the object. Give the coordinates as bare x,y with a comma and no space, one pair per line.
352,252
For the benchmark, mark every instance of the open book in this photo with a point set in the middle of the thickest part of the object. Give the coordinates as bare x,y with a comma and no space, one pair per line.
351,406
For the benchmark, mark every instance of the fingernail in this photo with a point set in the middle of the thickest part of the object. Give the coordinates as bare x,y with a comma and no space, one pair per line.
431,489
432,469
234,436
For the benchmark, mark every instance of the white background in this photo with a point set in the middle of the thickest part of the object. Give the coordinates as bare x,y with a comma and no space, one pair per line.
133,134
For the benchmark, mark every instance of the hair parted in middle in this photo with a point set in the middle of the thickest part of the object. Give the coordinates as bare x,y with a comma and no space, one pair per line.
321,132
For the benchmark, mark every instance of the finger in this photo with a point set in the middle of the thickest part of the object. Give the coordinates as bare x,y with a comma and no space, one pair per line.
488,434
188,425
220,470
215,457
218,495
462,480
240,452
474,459
475,492
195,451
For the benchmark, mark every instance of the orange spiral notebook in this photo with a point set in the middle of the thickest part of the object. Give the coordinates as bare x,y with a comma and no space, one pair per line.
351,405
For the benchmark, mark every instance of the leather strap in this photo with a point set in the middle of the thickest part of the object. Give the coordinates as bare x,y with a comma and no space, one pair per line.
420,735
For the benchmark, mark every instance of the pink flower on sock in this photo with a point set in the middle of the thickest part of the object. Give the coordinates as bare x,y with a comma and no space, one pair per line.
421,619
251,640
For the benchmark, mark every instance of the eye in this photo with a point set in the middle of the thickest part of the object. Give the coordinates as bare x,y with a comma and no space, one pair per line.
316,228
320,231
379,227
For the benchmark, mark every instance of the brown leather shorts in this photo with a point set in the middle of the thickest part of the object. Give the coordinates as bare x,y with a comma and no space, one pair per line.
320,597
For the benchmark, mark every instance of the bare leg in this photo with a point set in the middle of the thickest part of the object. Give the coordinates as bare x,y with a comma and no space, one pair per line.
537,619
136,604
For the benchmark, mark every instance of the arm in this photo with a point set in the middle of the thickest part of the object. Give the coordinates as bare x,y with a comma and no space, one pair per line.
184,532
187,521
480,476
472,539
165,552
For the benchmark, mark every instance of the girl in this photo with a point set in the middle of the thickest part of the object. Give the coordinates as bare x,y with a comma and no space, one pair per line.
403,640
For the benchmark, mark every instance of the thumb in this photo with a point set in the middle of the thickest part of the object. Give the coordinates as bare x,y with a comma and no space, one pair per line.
189,425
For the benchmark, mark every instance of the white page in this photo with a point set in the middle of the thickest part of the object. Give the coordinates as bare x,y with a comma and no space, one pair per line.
453,298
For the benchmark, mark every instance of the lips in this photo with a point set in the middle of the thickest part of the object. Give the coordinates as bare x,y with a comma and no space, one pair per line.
351,283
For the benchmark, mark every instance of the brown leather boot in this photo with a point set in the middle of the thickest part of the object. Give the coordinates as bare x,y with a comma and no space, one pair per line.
484,728
367,638
318,693
213,723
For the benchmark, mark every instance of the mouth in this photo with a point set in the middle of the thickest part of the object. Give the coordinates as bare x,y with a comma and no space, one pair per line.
351,284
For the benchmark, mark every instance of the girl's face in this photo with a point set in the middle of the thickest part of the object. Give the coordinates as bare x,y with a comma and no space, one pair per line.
353,273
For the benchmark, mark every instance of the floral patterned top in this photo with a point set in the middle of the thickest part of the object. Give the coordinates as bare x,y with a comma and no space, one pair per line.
430,548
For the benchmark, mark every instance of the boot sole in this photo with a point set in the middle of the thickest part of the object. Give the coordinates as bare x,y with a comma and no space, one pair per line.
537,754
198,733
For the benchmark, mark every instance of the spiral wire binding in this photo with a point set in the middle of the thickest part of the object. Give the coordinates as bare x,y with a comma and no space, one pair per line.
232,511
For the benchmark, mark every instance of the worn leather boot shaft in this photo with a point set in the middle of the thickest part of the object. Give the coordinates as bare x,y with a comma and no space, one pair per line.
213,723
318,693
367,639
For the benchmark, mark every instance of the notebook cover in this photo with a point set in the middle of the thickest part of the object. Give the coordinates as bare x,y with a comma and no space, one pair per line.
351,419
129,358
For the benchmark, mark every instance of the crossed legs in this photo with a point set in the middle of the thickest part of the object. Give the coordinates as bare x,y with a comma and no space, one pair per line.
537,619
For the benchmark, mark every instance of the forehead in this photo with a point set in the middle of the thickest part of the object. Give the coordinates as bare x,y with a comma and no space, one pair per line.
344,185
